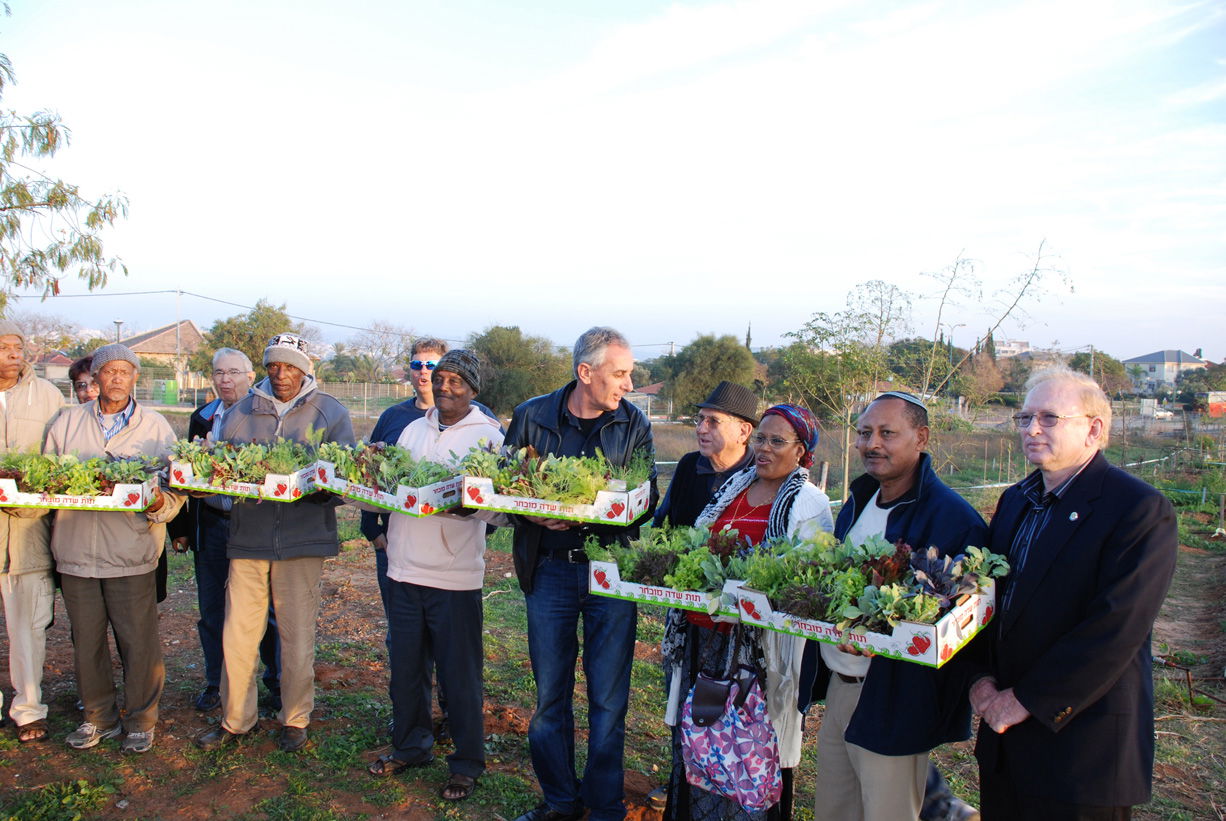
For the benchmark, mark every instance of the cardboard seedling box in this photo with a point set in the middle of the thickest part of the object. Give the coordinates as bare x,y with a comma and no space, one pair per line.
125,497
411,501
612,507
276,487
928,644
605,580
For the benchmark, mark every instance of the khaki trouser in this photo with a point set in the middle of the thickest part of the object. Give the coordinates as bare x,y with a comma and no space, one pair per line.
29,599
854,784
129,605
294,587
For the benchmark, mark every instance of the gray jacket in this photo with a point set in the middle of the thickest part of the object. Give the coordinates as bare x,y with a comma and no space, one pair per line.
29,407
285,530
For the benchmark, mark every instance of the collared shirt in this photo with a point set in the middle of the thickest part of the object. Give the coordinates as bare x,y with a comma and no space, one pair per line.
1033,522
118,421
580,437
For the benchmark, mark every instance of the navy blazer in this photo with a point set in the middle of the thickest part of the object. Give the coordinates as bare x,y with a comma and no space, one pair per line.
907,708
1075,641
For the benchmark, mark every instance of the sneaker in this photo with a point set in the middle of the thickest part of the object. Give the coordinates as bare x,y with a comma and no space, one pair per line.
137,742
88,735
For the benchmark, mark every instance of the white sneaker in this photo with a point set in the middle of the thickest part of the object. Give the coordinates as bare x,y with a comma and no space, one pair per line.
89,734
137,742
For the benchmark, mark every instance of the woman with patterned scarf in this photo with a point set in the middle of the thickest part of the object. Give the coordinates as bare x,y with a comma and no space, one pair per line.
770,499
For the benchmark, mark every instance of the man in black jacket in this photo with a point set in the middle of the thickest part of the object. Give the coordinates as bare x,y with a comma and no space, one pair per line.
724,423
204,526
1067,691
588,414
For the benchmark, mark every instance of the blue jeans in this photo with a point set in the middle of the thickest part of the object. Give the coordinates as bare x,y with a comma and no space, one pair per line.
212,570
558,599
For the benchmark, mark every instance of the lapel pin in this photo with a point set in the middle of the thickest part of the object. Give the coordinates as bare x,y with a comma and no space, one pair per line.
1072,517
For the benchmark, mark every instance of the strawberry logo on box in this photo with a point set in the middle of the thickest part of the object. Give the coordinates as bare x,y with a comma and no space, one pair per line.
323,475
297,492
179,476
132,499
426,509
475,494
919,645
750,608
281,488
3,498
602,578
946,653
987,614
409,502
618,507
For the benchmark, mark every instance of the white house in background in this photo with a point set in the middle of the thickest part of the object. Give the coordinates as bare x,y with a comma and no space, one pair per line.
1011,347
1161,368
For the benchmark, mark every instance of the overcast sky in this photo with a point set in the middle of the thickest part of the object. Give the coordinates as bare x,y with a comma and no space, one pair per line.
667,168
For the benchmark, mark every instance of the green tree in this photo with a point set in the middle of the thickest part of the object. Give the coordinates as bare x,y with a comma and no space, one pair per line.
248,333
703,364
515,367
978,380
1201,380
1108,371
48,229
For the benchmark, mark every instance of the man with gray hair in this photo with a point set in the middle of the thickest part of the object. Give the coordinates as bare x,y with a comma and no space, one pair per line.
277,550
204,526
27,406
1065,686
588,414
108,560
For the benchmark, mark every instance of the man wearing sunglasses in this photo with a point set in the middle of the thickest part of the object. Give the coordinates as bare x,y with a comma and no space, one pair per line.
1066,687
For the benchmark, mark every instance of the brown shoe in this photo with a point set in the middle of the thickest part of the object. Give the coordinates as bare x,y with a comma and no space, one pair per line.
292,739
217,738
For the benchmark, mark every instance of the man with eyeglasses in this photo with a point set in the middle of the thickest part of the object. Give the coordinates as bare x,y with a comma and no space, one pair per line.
1065,682
883,716
204,527
28,403
723,425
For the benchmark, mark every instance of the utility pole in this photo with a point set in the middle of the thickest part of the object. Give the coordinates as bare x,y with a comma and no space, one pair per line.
118,323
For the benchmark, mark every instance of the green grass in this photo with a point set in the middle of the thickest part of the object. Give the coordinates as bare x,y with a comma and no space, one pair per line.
60,800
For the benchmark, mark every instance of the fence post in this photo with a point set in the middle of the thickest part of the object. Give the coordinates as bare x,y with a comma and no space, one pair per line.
1221,511
823,473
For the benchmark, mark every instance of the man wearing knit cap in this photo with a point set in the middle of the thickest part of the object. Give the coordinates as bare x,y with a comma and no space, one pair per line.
435,570
27,405
277,550
108,560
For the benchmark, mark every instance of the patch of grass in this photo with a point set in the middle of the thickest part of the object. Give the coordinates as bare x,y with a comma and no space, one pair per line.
294,808
61,800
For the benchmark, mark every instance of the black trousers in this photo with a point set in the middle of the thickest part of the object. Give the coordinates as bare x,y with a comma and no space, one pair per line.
1001,799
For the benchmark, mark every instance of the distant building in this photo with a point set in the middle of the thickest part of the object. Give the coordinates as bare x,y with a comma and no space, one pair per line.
53,366
1160,368
647,399
1006,348
171,345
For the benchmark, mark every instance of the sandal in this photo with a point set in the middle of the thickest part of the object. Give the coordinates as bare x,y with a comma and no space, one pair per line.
33,731
390,765
461,786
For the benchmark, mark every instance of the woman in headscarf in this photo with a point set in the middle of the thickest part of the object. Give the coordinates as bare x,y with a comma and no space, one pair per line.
770,499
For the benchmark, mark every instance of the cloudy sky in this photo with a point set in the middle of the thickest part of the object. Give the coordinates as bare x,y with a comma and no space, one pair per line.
668,168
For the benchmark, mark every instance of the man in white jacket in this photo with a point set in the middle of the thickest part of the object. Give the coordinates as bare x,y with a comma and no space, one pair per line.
436,567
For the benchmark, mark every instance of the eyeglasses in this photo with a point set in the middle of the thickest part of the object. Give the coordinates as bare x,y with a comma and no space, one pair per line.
775,442
713,421
1046,420
428,364
233,373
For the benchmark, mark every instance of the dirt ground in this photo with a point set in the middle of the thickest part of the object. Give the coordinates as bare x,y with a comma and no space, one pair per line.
152,786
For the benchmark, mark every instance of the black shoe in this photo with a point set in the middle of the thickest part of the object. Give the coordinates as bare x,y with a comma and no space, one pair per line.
543,812
209,699
442,730
217,738
271,702
292,739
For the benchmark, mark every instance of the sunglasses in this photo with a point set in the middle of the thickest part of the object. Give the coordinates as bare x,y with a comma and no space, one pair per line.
428,364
